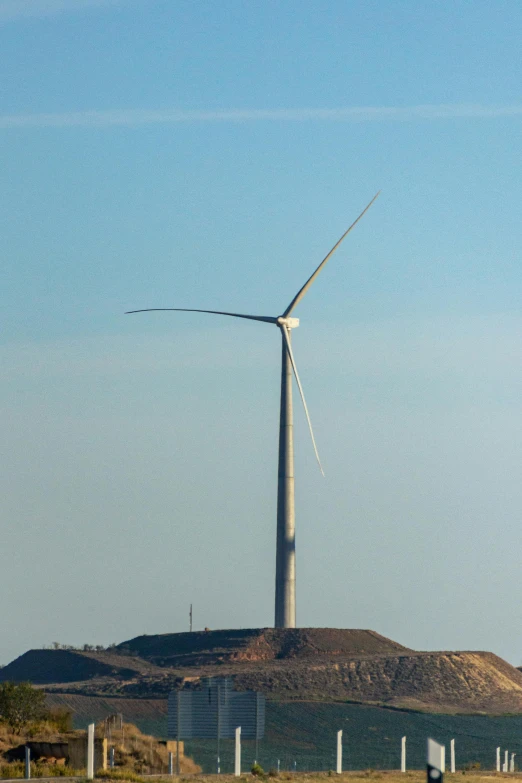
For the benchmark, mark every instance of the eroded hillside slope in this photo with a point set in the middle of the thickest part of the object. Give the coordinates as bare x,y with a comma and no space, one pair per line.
312,664
445,681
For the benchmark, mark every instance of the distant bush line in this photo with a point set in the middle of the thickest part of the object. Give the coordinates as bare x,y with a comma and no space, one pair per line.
89,648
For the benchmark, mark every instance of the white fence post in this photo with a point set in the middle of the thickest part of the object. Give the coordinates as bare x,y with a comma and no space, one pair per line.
512,762
237,757
498,759
339,752
505,767
403,754
90,751
452,755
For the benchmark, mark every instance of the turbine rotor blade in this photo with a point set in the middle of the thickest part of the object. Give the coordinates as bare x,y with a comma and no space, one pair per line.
267,319
297,298
284,329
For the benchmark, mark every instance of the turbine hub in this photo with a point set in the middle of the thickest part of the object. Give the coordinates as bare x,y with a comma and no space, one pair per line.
290,323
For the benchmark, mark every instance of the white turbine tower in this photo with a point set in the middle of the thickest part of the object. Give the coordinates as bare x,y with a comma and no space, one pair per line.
285,548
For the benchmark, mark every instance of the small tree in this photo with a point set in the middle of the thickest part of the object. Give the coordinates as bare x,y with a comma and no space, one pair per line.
20,704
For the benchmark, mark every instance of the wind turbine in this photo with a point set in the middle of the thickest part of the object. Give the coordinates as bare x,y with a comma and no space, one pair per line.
285,547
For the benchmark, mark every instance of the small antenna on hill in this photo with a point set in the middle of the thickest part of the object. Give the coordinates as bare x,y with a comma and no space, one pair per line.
190,616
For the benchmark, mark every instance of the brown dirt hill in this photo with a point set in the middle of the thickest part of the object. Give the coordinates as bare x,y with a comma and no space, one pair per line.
51,666
257,644
438,682
450,682
464,682
318,664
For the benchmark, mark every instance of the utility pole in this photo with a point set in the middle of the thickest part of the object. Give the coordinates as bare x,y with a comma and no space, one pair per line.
190,618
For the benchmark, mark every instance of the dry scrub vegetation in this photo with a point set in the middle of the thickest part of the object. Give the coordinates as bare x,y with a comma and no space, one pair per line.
141,753
135,753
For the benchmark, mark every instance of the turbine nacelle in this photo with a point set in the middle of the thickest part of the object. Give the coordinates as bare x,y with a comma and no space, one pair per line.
290,323
285,322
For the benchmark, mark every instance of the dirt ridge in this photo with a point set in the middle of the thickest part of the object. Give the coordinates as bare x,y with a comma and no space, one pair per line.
307,664
256,644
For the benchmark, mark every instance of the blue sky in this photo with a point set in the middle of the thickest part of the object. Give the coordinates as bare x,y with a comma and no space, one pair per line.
205,154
